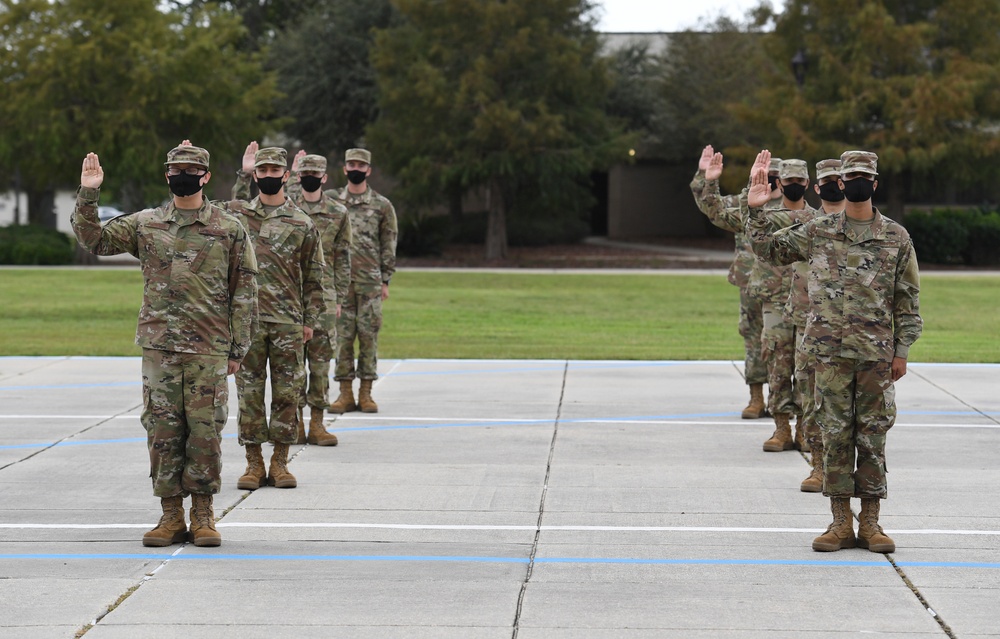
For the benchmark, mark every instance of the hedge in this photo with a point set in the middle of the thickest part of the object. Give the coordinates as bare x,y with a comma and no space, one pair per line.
30,244
968,237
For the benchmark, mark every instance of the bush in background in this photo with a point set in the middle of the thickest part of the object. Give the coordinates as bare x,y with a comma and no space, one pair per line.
35,245
969,237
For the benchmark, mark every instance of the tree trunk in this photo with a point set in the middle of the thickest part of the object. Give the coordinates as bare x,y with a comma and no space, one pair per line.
42,207
131,197
496,223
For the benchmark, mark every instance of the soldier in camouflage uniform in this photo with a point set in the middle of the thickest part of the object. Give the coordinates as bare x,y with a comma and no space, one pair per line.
333,223
864,316
373,261
705,188
832,200
199,311
292,305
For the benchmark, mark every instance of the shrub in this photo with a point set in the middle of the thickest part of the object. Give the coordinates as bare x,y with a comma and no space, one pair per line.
422,235
939,237
983,248
35,245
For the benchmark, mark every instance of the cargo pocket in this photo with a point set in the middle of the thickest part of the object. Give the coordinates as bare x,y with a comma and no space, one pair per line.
221,404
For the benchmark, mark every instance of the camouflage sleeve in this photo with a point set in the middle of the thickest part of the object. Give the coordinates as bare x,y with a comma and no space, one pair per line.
697,187
242,295
116,237
313,267
906,321
342,259
388,232
293,187
781,247
241,190
713,205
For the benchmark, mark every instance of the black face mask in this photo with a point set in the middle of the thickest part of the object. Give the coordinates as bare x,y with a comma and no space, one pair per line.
183,185
270,185
794,192
772,180
830,192
357,177
859,189
311,183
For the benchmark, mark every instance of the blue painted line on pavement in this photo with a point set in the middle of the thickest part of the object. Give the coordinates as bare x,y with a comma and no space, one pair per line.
209,556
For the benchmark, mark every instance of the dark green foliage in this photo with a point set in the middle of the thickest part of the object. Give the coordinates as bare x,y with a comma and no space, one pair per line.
35,245
955,236
422,235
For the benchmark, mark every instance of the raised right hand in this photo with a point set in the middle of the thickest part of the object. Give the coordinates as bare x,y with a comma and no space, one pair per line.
92,175
298,156
714,170
760,191
250,156
706,158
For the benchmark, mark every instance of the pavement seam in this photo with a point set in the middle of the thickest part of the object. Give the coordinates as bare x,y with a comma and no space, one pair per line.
957,398
541,505
68,437
920,597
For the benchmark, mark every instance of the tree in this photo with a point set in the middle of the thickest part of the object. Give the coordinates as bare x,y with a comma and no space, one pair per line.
503,96
126,80
330,91
915,81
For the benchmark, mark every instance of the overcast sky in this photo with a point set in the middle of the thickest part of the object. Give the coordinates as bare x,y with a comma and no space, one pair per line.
667,15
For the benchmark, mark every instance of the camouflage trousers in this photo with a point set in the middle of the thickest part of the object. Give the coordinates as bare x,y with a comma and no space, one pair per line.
778,350
805,389
281,346
360,318
184,409
751,328
319,353
855,408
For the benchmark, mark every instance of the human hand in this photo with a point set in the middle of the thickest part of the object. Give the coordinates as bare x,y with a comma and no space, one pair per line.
898,368
714,170
760,191
232,367
298,156
338,310
307,333
250,156
91,175
706,158
385,292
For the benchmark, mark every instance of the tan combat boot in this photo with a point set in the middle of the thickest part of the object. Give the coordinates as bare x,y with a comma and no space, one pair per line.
870,534
840,533
814,482
203,532
345,402
254,476
800,436
365,400
756,408
300,427
317,432
782,437
278,475
171,529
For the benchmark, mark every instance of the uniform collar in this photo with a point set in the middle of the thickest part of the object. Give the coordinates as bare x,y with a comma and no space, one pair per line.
874,232
285,210
204,214
362,198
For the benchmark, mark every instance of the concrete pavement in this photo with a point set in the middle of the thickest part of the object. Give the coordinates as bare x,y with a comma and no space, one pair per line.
499,499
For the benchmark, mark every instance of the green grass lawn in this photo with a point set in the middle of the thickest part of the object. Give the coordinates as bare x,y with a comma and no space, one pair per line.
488,315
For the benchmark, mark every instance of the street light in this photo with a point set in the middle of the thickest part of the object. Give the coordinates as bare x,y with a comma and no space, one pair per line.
799,66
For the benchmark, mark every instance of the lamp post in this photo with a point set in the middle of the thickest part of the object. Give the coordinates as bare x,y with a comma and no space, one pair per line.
799,66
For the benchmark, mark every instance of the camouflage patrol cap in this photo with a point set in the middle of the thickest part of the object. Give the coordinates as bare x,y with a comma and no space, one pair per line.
793,169
859,162
272,155
358,155
827,168
312,163
775,165
187,154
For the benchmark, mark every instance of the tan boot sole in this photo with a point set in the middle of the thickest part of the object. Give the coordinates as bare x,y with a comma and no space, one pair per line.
820,546
777,448
160,542
251,484
752,414
206,542
879,548
330,441
808,486
333,408
284,483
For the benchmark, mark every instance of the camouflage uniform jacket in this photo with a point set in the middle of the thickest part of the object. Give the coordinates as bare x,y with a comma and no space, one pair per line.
863,289
373,232
199,272
290,259
747,272
797,304
334,227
